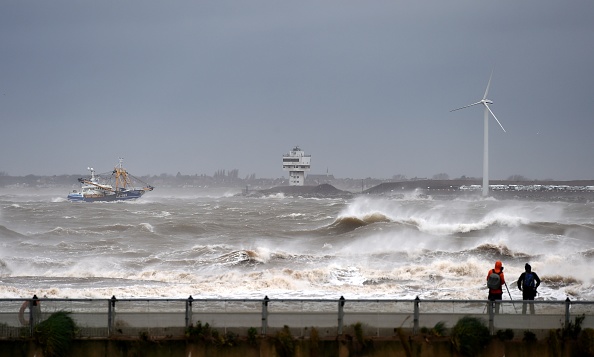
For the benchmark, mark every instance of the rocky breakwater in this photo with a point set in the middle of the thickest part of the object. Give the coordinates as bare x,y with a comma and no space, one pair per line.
320,191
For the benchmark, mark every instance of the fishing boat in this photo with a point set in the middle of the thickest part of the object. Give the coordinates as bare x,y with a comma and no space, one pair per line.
117,185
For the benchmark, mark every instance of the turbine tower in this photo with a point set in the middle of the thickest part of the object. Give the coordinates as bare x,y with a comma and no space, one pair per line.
488,110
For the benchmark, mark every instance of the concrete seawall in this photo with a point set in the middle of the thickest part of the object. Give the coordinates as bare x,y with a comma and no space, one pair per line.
419,346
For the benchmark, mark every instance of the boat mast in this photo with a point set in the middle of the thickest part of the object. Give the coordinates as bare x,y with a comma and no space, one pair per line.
92,174
121,176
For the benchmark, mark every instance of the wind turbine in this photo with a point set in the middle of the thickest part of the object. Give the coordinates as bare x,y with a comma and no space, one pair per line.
488,110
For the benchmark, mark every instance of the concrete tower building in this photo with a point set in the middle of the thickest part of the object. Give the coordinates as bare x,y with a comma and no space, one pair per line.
296,162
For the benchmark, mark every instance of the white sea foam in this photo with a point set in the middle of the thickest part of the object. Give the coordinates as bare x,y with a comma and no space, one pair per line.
291,215
279,195
161,214
148,227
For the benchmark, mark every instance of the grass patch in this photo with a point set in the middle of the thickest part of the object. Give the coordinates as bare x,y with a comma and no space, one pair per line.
470,335
252,336
285,343
529,336
505,335
55,334
586,343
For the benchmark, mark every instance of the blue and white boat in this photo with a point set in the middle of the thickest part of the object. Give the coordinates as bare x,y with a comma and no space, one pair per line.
119,186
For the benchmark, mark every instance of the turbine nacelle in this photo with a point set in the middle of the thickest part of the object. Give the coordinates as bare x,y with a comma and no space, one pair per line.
484,102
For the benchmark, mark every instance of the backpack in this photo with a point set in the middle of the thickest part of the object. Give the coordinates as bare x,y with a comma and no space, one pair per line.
494,281
529,280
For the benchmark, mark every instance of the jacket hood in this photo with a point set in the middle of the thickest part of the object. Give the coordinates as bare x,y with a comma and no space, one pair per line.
498,266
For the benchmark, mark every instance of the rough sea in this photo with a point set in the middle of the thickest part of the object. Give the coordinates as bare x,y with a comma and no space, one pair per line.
173,243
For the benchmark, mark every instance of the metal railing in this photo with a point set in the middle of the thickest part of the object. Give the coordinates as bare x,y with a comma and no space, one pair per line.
381,317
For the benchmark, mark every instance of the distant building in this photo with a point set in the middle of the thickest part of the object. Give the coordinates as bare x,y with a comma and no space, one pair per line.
296,162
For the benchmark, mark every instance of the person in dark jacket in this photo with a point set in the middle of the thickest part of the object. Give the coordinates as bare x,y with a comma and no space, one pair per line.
528,282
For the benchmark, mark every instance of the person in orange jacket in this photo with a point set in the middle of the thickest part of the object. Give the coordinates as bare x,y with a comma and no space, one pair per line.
495,282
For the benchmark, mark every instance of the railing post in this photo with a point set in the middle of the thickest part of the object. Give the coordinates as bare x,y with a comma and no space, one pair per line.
491,308
111,314
340,314
265,314
416,316
567,316
34,313
189,311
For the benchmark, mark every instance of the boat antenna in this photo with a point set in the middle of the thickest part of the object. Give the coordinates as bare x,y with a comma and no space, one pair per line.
92,173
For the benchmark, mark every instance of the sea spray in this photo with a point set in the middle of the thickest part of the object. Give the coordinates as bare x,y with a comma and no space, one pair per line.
211,244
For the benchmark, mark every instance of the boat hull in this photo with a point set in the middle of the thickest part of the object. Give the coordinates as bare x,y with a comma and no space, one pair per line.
119,186
118,196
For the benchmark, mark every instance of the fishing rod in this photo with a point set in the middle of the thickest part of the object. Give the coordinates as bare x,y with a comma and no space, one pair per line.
512,300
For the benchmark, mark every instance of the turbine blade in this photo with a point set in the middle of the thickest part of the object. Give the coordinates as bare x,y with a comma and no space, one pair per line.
488,85
470,105
493,114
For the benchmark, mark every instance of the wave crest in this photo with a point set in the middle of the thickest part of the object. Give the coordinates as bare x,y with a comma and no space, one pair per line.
559,281
239,257
350,223
498,251
8,233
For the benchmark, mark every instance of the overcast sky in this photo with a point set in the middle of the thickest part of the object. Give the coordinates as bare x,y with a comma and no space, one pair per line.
365,87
